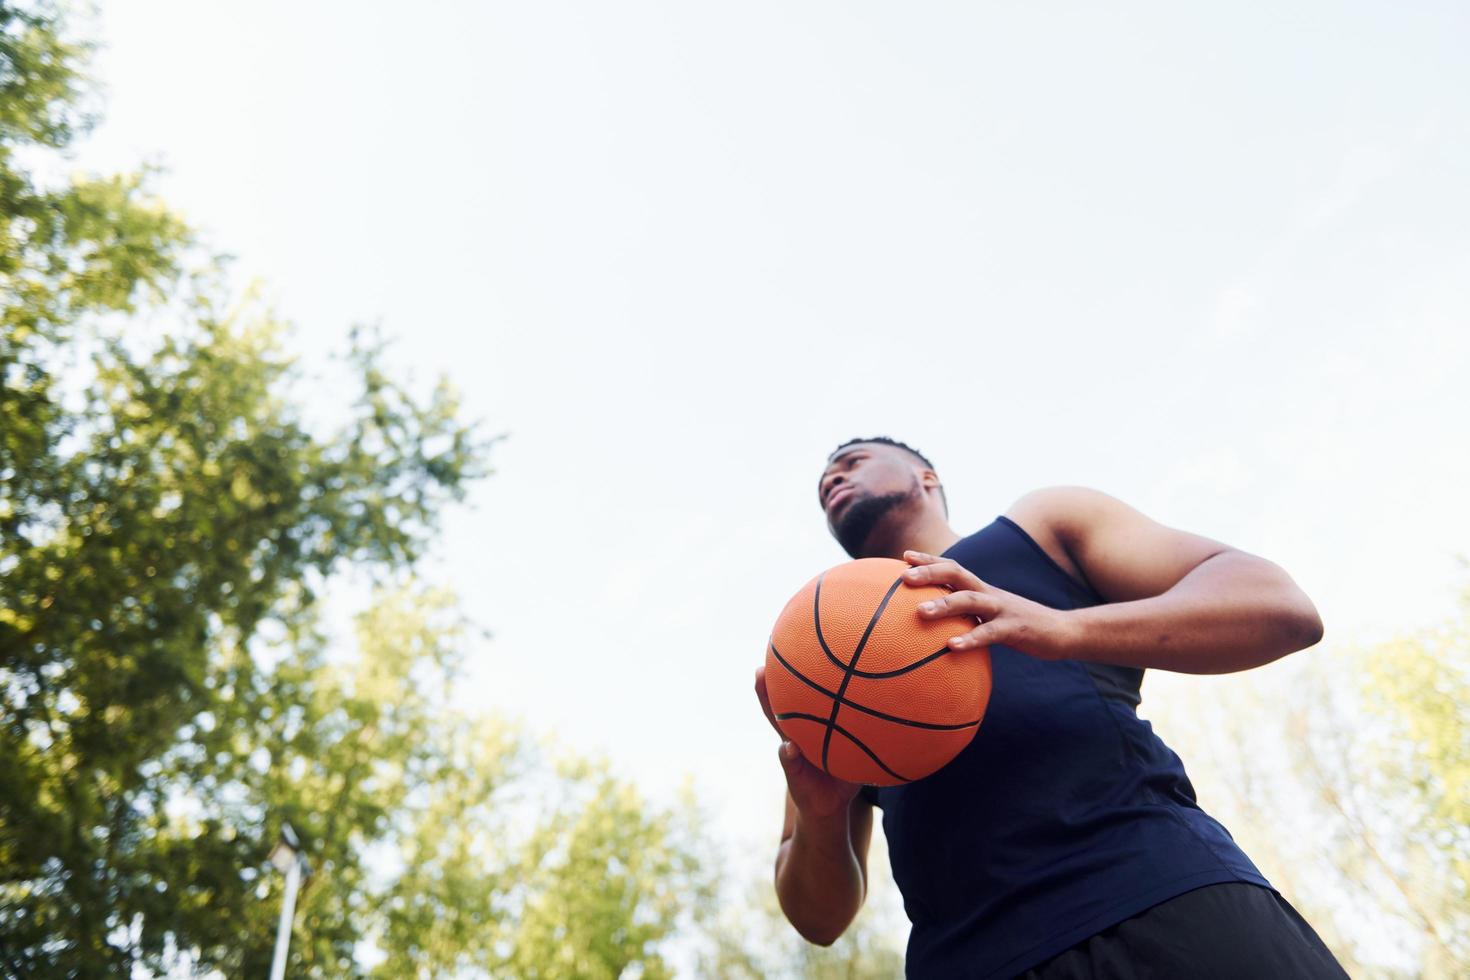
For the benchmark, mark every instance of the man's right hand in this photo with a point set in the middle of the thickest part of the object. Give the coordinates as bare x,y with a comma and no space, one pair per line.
815,793
822,863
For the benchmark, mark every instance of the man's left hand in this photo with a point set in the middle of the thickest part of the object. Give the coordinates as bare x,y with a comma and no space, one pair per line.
1005,618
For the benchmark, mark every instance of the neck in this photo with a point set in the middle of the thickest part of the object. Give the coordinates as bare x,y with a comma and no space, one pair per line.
930,534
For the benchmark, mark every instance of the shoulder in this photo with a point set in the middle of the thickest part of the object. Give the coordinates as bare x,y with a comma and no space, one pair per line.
1062,512
1123,553
1053,517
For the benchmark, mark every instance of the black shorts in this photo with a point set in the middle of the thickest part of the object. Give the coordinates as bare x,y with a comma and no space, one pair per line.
1233,931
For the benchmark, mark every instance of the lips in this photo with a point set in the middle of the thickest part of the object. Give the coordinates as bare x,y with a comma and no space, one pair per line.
838,495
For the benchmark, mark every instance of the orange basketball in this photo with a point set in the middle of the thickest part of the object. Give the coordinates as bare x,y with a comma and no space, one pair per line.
866,688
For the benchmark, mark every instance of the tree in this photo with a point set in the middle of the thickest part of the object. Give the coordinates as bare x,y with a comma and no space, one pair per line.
168,696
749,937
1348,781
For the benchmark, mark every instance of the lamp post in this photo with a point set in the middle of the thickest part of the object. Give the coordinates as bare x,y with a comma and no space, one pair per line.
287,858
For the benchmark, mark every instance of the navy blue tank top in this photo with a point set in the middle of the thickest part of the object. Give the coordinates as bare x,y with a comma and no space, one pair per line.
1065,815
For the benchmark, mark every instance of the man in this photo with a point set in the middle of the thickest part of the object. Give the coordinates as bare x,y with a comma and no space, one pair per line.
1065,840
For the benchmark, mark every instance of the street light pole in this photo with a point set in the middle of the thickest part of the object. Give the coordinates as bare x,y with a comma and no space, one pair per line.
287,857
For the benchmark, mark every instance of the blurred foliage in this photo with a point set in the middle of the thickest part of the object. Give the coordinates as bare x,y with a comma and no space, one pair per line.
753,941
1350,787
748,937
1417,689
1421,686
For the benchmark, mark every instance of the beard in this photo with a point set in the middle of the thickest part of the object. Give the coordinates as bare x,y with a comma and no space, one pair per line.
859,518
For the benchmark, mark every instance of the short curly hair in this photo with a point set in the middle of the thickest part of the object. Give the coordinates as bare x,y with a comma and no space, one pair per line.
887,441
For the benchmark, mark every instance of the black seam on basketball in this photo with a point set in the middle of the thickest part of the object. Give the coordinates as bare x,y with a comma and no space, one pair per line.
849,668
817,622
845,734
881,674
817,619
928,726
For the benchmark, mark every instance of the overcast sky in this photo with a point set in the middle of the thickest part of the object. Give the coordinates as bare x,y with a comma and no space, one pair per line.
1212,259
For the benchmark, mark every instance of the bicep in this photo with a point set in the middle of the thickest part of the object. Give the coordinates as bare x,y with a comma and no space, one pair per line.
1125,554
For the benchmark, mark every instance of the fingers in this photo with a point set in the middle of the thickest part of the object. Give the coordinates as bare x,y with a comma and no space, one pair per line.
981,636
800,774
791,761
798,770
971,597
814,791
976,604
765,699
988,608
929,570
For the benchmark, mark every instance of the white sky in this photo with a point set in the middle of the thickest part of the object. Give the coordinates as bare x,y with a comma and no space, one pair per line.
1212,260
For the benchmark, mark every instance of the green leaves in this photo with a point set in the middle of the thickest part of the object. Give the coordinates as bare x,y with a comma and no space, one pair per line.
186,509
600,882
1422,685
40,81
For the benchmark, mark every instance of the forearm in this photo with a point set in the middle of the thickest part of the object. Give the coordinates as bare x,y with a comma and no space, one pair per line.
1232,612
819,880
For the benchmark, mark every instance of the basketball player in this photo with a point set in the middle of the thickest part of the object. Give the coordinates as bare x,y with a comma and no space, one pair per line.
1065,840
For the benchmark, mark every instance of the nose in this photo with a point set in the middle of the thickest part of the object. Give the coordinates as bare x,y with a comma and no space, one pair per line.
829,484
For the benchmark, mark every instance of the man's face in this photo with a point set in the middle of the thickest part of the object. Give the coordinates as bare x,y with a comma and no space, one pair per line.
861,486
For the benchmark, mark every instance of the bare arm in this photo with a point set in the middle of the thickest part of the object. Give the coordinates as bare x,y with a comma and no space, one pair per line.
822,868
1232,612
822,861
1175,601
